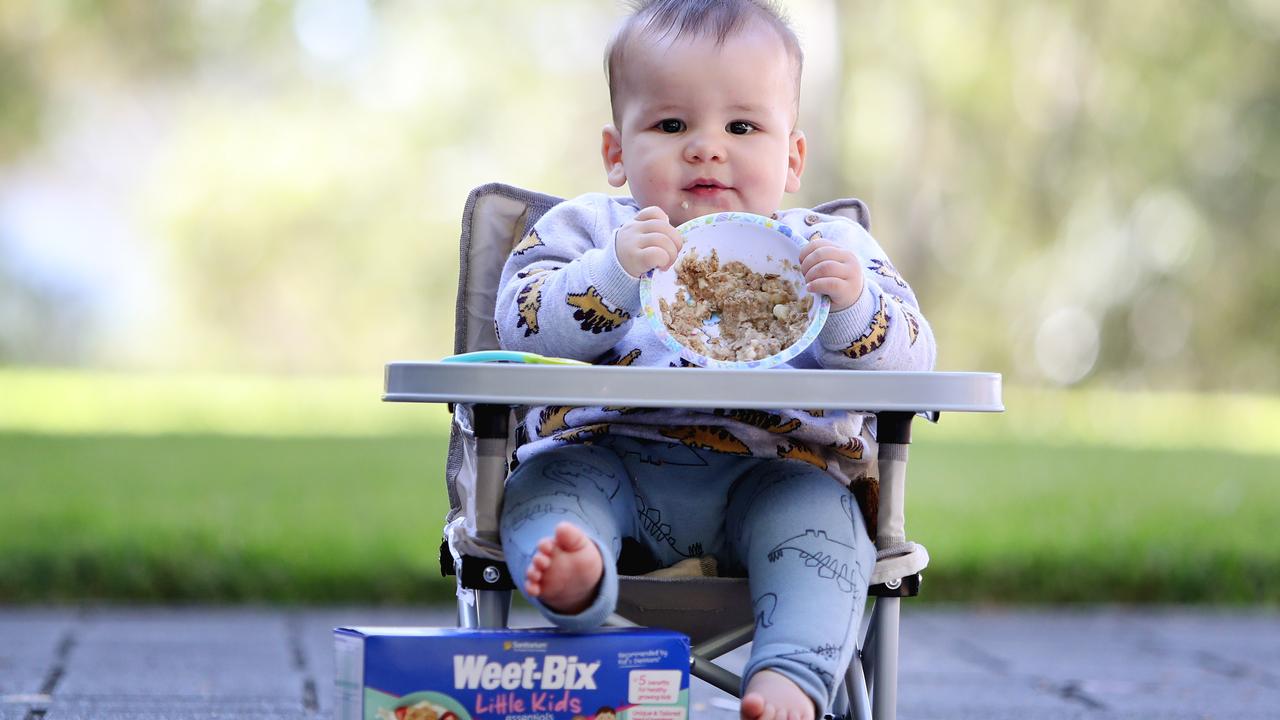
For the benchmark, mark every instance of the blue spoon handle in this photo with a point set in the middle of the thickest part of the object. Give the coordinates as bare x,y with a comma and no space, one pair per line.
485,356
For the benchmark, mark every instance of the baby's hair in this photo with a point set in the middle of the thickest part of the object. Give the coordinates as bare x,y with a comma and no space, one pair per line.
720,18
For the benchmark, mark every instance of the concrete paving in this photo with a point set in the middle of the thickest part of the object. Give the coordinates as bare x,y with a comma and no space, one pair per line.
1095,663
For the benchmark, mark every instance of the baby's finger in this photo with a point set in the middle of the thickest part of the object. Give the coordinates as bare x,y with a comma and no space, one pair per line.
826,252
832,262
656,242
829,286
653,212
811,246
661,240
656,257
655,225
677,240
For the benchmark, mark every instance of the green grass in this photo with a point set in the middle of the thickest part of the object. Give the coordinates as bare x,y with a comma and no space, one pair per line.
357,519
1035,522
208,518
75,402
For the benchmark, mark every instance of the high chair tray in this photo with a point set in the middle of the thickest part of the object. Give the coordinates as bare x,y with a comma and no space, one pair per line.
587,385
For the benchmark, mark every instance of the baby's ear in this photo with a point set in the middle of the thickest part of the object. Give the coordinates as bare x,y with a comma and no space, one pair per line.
795,161
611,152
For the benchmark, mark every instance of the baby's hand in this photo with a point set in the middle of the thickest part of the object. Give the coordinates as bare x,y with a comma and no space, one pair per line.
647,242
832,270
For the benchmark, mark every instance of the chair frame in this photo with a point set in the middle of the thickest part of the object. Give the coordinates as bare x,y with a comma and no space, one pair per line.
870,684
484,584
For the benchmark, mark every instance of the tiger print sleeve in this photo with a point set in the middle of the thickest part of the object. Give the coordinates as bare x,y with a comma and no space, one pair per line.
884,329
563,292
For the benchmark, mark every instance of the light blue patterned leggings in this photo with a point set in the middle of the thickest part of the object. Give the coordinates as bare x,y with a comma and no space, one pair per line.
795,531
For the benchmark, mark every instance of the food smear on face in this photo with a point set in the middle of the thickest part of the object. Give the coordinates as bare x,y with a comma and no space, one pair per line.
732,312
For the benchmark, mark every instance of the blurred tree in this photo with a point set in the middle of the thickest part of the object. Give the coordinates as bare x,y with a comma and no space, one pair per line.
1077,192
1118,161
48,47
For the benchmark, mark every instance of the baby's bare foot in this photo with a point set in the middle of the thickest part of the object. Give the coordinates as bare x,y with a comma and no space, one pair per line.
566,570
773,696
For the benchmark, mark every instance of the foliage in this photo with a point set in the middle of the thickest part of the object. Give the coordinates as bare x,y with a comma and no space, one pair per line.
1074,191
1120,159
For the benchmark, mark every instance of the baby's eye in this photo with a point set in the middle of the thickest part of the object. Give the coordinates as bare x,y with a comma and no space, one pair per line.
671,125
740,127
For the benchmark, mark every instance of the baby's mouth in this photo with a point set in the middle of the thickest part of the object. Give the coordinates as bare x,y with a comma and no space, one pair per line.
705,188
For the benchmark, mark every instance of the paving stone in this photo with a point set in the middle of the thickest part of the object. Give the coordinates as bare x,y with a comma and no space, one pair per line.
1096,663
1240,644
999,694
29,647
110,707
191,652
1184,714
172,706
1106,658
928,652
946,709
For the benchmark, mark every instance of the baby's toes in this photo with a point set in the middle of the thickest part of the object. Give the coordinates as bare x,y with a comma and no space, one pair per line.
569,537
535,570
547,545
533,575
752,707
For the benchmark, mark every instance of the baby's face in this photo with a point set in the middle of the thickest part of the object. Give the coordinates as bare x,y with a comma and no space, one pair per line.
707,128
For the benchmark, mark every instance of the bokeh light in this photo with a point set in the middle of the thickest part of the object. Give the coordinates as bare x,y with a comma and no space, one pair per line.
1067,345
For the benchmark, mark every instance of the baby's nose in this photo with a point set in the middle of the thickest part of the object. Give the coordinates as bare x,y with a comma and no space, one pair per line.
704,149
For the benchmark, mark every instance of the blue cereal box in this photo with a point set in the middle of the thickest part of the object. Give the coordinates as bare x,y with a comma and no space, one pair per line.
391,673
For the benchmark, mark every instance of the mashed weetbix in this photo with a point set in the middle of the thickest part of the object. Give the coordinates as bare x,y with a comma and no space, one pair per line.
731,312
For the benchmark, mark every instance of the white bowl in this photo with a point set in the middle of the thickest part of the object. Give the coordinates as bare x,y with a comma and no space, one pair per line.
762,244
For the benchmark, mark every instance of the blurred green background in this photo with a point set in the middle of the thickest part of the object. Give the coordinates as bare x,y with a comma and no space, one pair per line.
219,219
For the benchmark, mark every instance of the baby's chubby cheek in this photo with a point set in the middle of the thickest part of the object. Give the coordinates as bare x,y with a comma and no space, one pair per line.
657,194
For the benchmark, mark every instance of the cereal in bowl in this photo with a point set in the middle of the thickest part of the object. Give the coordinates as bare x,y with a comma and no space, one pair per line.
732,312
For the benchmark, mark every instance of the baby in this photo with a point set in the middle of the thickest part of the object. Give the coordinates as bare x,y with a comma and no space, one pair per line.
705,96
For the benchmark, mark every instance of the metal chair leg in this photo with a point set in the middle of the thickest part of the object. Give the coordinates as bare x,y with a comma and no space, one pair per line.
868,654
492,609
714,674
856,685
725,642
884,694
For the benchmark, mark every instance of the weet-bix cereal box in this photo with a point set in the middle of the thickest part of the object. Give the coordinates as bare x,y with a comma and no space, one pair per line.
386,673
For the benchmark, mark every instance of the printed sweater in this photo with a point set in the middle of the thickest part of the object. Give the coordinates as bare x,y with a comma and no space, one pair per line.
563,293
